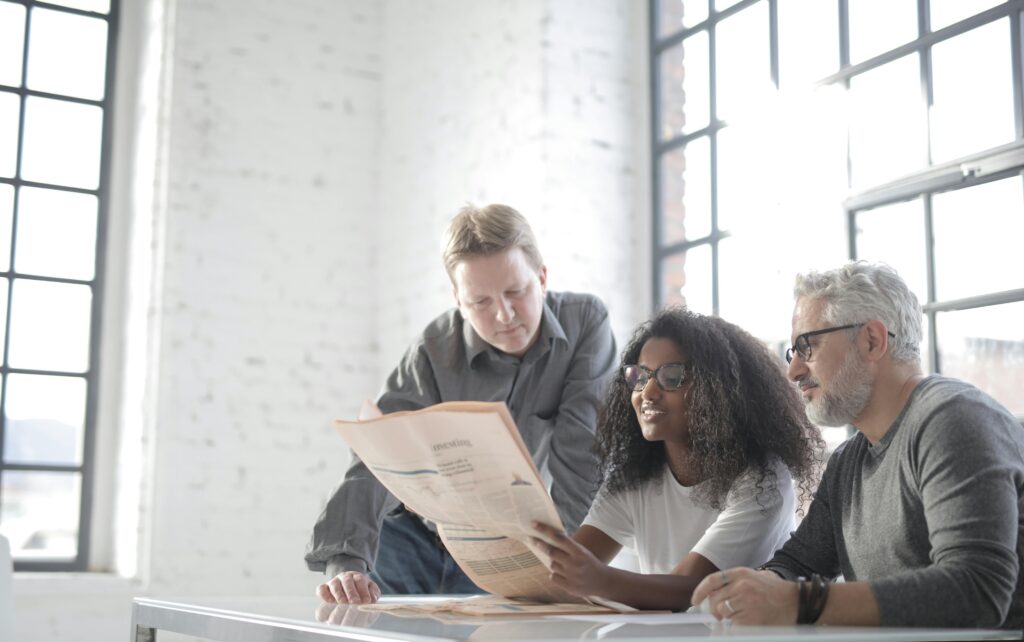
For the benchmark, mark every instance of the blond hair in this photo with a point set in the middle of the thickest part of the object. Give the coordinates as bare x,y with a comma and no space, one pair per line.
483,231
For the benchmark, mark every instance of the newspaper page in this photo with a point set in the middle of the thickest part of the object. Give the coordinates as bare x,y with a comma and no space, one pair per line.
464,466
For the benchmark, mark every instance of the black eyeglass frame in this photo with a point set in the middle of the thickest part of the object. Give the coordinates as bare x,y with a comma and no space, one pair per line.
646,374
806,336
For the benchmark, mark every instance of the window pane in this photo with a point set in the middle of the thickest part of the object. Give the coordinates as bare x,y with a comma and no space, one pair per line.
754,291
876,26
686,279
97,6
946,12
6,221
972,111
894,234
977,238
985,346
10,110
45,419
56,233
50,326
887,123
808,41
39,514
686,192
742,57
62,143
721,5
12,42
684,87
4,285
673,15
67,54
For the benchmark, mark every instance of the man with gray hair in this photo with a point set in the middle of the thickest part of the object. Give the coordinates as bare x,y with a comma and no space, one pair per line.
922,511
548,355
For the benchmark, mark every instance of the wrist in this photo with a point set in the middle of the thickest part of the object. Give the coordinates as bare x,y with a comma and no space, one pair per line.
812,594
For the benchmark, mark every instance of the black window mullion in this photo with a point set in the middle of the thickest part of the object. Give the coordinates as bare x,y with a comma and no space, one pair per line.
927,86
1018,72
656,204
773,40
932,316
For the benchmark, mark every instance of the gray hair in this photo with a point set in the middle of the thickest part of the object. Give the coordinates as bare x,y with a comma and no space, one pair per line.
861,291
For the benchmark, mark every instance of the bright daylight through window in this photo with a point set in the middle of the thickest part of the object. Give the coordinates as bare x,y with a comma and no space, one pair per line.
55,79
797,134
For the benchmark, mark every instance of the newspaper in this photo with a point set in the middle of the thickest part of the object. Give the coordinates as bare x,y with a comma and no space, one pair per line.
464,466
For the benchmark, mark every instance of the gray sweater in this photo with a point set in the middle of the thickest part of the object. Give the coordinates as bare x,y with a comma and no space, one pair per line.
932,516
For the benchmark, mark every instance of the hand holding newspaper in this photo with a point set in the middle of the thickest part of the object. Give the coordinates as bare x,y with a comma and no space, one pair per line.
464,466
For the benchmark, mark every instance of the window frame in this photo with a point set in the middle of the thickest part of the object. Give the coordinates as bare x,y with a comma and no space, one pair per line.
86,469
969,171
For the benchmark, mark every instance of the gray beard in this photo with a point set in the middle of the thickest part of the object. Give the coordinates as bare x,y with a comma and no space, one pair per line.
846,397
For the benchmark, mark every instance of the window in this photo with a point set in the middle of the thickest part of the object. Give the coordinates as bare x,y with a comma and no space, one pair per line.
795,134
56,62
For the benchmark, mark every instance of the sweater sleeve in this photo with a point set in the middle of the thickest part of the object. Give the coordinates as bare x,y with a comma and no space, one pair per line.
812,547
967,461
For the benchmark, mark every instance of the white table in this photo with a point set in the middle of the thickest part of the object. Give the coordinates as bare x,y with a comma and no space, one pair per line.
292,619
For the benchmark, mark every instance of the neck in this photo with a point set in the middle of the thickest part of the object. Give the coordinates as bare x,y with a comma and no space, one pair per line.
680,462
889,395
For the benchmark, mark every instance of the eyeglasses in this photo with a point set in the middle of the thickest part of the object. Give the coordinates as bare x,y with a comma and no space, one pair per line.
802,345
670,376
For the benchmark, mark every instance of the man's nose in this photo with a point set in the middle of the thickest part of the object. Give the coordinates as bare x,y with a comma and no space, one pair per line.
797,367
505,310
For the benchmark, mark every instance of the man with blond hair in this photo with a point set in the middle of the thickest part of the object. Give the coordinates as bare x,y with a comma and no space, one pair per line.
921,510
548,355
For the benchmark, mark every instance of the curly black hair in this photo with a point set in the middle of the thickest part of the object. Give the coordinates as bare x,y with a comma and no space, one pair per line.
743,413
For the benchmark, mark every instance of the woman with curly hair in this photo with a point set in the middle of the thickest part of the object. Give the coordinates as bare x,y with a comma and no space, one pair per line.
700,439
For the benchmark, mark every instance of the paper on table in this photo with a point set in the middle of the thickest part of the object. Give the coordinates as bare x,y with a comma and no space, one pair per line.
464,466
486,605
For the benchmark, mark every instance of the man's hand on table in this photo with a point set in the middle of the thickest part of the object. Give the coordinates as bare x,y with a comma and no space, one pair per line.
350,587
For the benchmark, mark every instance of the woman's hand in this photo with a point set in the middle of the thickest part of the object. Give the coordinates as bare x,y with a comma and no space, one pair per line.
573,567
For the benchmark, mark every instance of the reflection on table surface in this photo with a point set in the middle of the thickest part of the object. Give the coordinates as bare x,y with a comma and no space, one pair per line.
310,614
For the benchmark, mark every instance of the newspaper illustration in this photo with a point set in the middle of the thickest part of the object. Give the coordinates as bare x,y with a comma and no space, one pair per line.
464,466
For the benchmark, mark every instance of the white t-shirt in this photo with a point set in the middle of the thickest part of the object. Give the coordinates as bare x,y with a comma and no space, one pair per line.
661,523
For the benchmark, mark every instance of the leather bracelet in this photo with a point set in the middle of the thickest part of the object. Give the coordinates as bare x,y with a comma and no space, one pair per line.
820,598
803,588
813,596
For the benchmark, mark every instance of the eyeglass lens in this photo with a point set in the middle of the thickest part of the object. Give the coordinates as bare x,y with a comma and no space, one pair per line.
669,376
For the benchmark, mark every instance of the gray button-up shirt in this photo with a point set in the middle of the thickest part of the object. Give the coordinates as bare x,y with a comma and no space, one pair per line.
553,393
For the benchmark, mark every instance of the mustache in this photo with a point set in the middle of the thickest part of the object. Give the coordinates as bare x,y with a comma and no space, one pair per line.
806,382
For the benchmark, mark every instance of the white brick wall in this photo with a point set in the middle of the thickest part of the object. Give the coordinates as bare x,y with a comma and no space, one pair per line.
315,150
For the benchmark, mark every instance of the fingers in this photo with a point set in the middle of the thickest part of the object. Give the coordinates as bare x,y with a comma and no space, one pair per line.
350,587
717,581
324,593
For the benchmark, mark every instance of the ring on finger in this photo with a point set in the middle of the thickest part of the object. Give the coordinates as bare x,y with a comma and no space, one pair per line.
724,577
729,606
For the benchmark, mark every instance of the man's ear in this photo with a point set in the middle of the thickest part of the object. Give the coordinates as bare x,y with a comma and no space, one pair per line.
455,295
878,339
542,276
